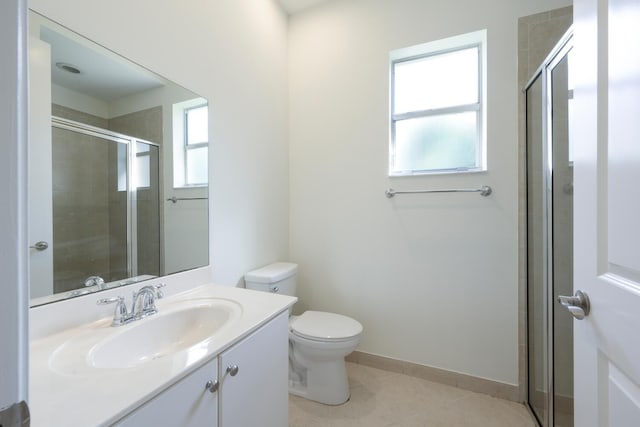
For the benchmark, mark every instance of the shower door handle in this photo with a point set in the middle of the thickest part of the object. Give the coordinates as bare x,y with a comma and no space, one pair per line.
39,246
578,305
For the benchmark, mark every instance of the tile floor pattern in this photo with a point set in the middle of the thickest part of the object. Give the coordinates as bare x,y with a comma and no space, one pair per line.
387,399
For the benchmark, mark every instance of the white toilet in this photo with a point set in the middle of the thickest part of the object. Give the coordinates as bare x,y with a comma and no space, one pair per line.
318,341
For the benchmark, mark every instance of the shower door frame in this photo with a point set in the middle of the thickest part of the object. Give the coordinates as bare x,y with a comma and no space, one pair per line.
130,142
544,72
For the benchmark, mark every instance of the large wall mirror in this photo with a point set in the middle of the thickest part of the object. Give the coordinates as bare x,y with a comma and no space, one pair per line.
118,170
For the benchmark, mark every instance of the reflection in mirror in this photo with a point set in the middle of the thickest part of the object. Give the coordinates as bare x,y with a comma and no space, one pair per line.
118,169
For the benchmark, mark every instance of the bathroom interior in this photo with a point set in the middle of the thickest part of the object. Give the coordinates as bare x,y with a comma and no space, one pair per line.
453,288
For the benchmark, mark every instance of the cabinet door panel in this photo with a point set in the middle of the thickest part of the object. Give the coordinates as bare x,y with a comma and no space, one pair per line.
185,404
257,395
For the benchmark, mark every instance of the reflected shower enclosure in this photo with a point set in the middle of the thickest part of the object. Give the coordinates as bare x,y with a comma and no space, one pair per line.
106,205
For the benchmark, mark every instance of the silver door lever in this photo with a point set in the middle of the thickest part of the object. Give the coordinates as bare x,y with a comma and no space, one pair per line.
40,246
578,305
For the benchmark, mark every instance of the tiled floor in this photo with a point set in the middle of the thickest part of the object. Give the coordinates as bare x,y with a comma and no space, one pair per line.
386,399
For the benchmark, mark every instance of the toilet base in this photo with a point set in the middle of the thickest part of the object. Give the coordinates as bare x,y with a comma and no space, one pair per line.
325,382
303,394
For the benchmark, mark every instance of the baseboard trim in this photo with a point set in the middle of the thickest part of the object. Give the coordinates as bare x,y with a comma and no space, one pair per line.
455,379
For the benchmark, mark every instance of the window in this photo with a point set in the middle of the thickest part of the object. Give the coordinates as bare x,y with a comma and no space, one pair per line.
190,143
135,164
196,144
142,166
438,107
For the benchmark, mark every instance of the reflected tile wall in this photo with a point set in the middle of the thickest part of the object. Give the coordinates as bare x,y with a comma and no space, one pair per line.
143,124
78,116
80,209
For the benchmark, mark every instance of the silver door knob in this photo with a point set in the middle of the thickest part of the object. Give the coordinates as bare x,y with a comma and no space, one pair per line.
578,305
39,246
233,370
212,386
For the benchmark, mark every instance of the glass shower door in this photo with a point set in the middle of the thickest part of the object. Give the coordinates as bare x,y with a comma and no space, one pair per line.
89,208
562,284
550,240
537,262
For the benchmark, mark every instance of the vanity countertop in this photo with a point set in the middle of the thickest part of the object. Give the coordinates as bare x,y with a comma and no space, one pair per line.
68,392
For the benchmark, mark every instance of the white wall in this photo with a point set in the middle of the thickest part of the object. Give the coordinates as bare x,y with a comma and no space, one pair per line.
234,54
433,278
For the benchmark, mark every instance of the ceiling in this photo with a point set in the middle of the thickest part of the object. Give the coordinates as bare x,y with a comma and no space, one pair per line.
293,6
103,75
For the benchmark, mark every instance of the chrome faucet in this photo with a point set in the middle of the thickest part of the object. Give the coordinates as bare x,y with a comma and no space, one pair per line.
143,304
94,281
144,301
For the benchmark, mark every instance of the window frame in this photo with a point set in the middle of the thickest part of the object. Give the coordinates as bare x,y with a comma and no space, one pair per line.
476,40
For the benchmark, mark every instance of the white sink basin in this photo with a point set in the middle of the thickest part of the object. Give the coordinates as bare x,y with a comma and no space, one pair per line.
183,326
161,334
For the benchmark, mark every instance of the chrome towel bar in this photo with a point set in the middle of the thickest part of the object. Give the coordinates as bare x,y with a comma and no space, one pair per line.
485,190
175,199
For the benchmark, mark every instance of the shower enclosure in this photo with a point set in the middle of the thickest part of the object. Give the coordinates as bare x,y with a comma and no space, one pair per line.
106,206
550,238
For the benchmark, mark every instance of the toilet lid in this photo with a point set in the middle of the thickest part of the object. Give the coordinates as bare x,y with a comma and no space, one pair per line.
326,326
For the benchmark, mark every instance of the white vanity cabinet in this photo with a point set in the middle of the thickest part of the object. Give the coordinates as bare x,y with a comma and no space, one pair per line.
252,391
188,403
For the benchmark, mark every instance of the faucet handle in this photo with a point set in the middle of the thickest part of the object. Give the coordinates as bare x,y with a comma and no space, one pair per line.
159,293
105,301
121,315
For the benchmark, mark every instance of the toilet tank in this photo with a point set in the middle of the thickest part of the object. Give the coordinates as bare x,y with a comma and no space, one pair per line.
279,277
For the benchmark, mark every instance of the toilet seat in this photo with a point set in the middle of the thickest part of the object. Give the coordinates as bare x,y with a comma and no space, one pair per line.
323,326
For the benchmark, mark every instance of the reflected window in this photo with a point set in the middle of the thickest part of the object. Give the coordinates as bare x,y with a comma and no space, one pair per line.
123,183
437,106
143,166
196,144
191,144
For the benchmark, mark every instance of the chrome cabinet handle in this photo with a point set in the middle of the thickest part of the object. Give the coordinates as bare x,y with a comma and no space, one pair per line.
233,370
578,305
212,386
40,246
275,289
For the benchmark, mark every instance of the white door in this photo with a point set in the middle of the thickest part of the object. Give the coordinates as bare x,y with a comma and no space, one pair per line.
606,142
13,241
40,170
